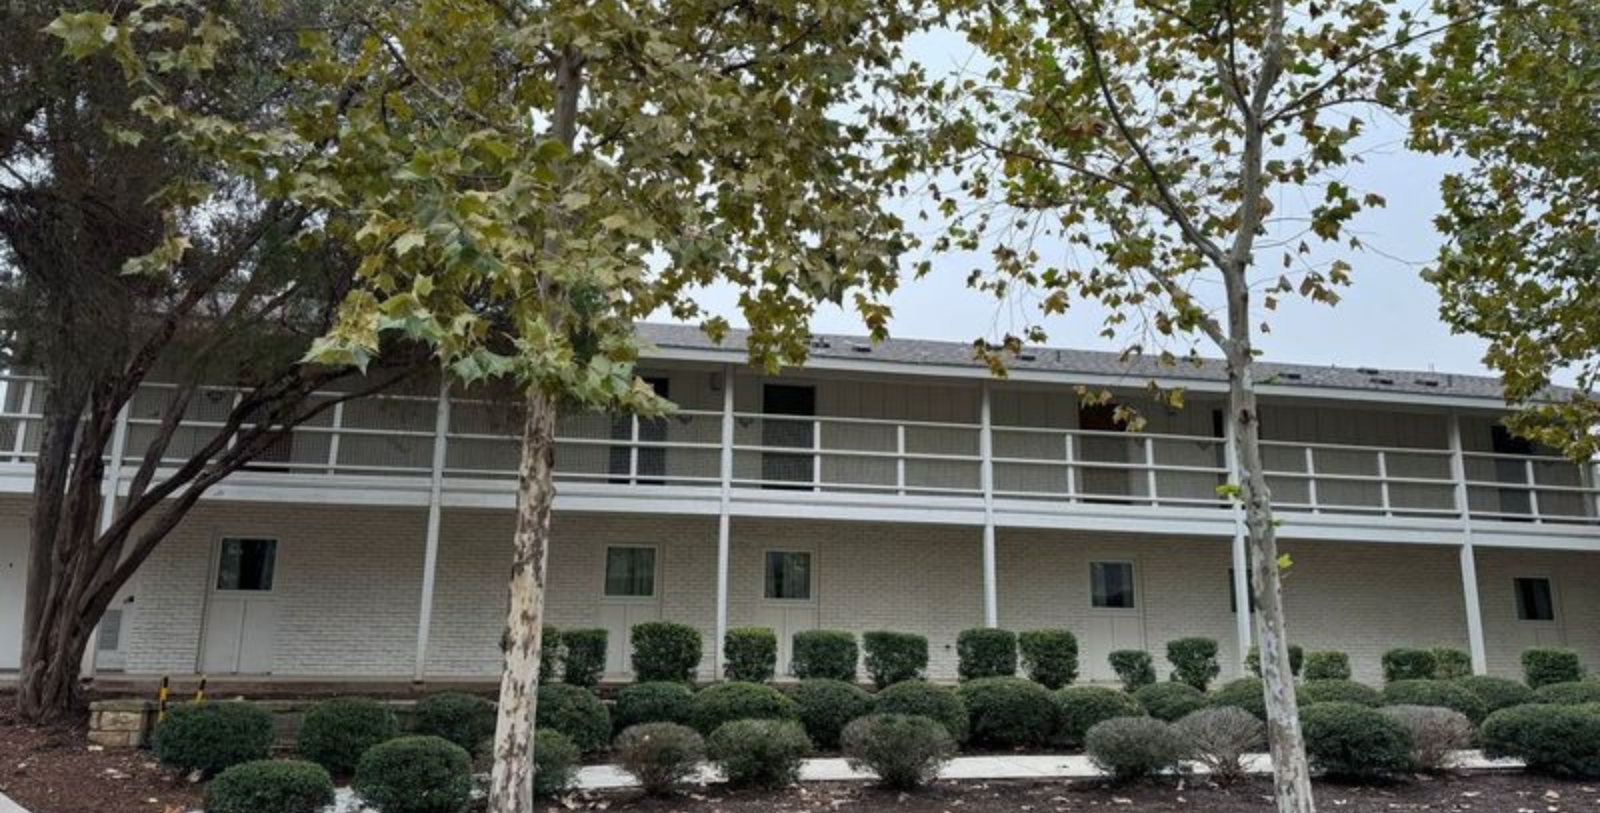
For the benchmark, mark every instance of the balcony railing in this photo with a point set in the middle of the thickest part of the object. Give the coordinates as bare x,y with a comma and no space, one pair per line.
394,436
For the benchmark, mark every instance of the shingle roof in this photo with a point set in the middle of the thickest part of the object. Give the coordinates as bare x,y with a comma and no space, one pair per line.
1097,363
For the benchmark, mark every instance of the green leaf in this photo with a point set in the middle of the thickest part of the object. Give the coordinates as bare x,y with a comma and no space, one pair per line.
83,34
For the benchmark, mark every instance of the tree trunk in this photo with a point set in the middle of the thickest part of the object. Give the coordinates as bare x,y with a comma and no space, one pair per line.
511,783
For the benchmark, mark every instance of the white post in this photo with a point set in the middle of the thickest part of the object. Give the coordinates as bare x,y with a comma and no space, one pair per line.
1311,480
1533,489
816,455
1469,564
900,459
1241,558
430,556
633,449
1383,482
333,439
723,529
991,600
1150,468
108,512
1072,469
25,408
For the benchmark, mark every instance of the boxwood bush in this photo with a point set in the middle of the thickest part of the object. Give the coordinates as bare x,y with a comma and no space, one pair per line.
750,654
726,702
335,733
1450,663
464,719
916,698
1436,734
1219,739
549,653
1078,708
1442,693
1297,660
892,657
1408,664
415,775
1194,661
663,650
1339,691
1560,740
1129,748
1169,702
1496,693
904,751
214,736
986,652
828,654
1572,693
575,712
759,753
660,756
1049,657
1327,665
1542,666
584,656
555,764
827,706
659,702
270,786
1355,742
1244,693
1008,712
1133,667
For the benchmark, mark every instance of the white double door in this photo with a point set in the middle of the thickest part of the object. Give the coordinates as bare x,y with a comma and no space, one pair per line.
241,623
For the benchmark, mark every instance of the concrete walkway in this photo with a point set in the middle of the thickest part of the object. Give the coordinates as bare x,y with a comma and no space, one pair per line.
8,806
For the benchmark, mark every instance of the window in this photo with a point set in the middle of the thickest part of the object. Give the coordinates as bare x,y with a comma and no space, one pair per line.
630,572
1535,601
789,575
1111,585
247,564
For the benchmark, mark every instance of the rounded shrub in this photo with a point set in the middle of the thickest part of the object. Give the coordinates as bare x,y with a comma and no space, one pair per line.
213,736
1079,708
1339,691
1450,663
1559,740
415,775
1129,748
575,712
759,753
916,698
1049,657
1194,661
1219,739
985,652
1572,693
1168,702
659,702
1355,742
335,733
1496,692
555,764
1436,734
750,654
892,657
584,656
1542,666
1007,712
726,702
1408,664
1244,693
904,751
827,706
826,654
663,650
1442,693
659,756
1297,659
1327,665
464,719
1133,667
549,653
270,786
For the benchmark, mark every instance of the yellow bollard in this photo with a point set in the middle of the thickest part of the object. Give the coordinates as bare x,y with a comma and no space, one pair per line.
161,698
200,693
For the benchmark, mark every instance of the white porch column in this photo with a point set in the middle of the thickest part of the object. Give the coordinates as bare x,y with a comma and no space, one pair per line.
991,601
1469,564
1241,559
108,512
723,529
430,556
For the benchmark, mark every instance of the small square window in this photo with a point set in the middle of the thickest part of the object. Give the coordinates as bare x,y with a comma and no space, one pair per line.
1111,585
1535,602
247,564
788,575
630,572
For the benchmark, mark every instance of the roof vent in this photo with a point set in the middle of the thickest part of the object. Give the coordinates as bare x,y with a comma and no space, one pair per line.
1367,370
1427,382
1290,376
1378,379
820,343
861,348
1027,355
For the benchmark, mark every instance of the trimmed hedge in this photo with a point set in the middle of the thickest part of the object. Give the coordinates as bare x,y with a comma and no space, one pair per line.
1170,702
1079,708
1244,693
1450,663
1133,667
660,756
1194,661
759,753
826,654
1297,660
464,719
750,654
335,733
213,737
1574,693
1130,748
1560,740
916,698
663,650
892,657
905,752
726,702
1408,664
1339,691
1327,665
270,786
415,775
549,653
659,702
827,706
584,659
1441,693
575,712
1495,692
1355,742
1008,712
1049,657
555,764
1542,666
985,652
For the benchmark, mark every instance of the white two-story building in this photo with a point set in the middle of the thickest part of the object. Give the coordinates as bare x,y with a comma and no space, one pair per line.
896,486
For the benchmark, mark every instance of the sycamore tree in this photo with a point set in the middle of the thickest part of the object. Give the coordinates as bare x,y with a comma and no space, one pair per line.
1513,92
1129,154
529,179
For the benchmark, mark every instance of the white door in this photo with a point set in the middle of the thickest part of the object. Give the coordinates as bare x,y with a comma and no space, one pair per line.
13,584
242,610
630,594
788,599
1114,619
1538,611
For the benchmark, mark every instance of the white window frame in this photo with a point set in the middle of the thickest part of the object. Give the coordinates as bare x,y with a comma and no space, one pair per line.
1138,589
1555,600
812,585
655,575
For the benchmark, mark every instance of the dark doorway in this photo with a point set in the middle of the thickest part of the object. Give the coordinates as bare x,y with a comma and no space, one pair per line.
1102,484
1512,500
783,400
651,467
